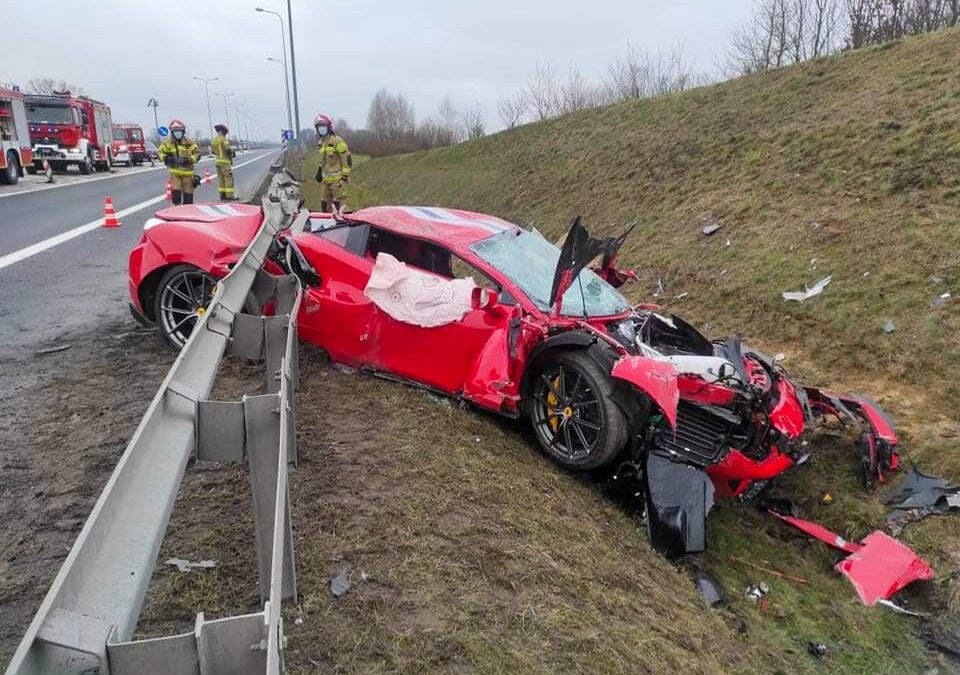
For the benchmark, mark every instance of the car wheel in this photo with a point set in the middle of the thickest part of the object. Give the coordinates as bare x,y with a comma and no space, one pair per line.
573,412
11,174
86,166
182,297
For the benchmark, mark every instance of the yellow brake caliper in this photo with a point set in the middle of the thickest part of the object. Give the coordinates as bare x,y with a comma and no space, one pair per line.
552,402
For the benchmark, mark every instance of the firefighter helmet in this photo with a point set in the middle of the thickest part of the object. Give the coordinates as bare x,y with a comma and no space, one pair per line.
323,120
221,128
177,124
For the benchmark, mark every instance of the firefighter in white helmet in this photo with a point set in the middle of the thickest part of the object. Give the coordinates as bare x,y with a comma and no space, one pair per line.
335,164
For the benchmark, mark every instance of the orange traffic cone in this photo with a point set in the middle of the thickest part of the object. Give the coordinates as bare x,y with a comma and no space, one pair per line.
206,176
109,215
168,195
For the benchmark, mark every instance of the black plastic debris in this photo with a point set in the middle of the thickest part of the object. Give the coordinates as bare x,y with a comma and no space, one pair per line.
340,584
679,497
818,650
710,589
920,496
710,229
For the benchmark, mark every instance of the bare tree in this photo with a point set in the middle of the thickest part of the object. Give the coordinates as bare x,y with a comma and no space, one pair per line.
543,92
48,85
512,108
448,124
474,121
390,117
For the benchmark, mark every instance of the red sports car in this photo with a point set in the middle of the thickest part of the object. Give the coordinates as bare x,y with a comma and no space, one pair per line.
474,307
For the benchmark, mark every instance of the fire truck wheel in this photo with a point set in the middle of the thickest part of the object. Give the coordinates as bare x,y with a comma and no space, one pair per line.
11,174
86,166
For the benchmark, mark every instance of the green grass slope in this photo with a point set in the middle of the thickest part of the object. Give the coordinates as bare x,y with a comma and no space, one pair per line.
846,166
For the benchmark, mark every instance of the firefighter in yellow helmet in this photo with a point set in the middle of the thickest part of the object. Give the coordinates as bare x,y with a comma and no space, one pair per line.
224,154
335,164
180,153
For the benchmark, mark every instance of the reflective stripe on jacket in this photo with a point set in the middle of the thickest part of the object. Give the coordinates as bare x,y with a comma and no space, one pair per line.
186,148
334,158
221,149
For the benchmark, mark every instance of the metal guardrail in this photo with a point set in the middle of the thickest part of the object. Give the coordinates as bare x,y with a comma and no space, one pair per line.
86,622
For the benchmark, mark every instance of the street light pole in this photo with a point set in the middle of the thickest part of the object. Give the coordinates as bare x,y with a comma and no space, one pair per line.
226,111
152,103
293,71
287,87
286,78
206,89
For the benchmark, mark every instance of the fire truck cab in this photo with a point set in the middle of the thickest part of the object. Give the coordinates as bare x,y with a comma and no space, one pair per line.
128,145
67,129
15,152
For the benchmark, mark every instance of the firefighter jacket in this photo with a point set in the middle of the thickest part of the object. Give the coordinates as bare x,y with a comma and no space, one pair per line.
186,151
335,160
222,150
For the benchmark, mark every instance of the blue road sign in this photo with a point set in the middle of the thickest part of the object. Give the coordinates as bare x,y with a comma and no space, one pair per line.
162,132
288,134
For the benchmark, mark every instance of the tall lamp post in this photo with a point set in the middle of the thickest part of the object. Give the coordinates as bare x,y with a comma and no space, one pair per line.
286,78
206,89
293,72
226,111
153,103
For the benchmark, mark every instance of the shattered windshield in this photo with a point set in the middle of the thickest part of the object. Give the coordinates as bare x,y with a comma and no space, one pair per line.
529,261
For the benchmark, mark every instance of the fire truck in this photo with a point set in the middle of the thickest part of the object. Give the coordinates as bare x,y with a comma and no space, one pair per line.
128,146
67,129
15,152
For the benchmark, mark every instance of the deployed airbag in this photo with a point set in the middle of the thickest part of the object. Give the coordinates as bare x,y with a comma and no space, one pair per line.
415,296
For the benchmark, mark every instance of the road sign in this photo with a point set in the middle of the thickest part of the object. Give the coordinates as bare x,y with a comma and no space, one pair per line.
288,134
162,132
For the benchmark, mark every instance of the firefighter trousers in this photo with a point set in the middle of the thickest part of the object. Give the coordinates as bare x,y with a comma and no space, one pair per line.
181,187
225,179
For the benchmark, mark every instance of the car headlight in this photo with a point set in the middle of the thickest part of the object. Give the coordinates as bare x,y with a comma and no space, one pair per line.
123,148
76,151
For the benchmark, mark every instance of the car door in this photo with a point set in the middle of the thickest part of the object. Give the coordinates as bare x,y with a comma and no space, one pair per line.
442,357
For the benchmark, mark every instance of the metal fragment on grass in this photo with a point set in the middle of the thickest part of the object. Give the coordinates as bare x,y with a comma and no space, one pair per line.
340,584
53,350
889,327
187,566
809,291
710,229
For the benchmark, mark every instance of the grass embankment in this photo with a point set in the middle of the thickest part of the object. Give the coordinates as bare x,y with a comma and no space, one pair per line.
846,166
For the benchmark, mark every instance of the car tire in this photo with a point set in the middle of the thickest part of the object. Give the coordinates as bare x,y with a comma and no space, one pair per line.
183,294
11,174
574,413
86,166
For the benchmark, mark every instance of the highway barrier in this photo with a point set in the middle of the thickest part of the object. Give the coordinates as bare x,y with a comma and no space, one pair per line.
86,622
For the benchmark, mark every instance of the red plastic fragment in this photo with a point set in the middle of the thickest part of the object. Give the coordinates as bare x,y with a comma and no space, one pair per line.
820,532
882,567
656,378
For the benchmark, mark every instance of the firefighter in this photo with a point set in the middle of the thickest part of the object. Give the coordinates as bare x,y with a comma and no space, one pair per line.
335,164
224,154
180,153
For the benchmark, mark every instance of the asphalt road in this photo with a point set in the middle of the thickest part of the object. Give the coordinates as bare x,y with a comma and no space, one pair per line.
82,282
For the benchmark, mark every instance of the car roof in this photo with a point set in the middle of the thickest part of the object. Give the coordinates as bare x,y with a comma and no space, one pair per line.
453,228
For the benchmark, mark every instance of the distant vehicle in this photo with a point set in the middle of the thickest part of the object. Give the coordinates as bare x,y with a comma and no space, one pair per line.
15,152
150,149
67,129
128,144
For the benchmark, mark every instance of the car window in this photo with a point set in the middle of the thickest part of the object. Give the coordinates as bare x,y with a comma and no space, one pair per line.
462,269
350,237
414,252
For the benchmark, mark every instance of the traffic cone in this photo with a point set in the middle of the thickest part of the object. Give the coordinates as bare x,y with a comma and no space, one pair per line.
109,215
206,176
168,195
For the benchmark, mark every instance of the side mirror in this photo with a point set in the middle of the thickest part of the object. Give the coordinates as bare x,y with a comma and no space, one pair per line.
484,298
726,372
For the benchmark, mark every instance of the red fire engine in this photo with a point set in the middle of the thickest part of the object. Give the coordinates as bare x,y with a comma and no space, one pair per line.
15,153
67,129
128,146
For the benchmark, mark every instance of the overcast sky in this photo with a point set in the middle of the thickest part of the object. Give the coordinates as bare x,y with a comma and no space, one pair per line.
125,51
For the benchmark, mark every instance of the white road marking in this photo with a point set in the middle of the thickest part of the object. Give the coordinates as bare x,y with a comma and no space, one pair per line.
41,246
78,179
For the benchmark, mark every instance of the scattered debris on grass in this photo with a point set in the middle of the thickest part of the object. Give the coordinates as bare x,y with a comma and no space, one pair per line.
827,498
187,566
920,496
889,327
818,650
757,592
681,296
940,300
340,368
340,584
710,589
710,229
660,290
776,573
53,350
809,291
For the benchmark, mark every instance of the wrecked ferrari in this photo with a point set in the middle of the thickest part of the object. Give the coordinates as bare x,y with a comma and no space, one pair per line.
477,308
